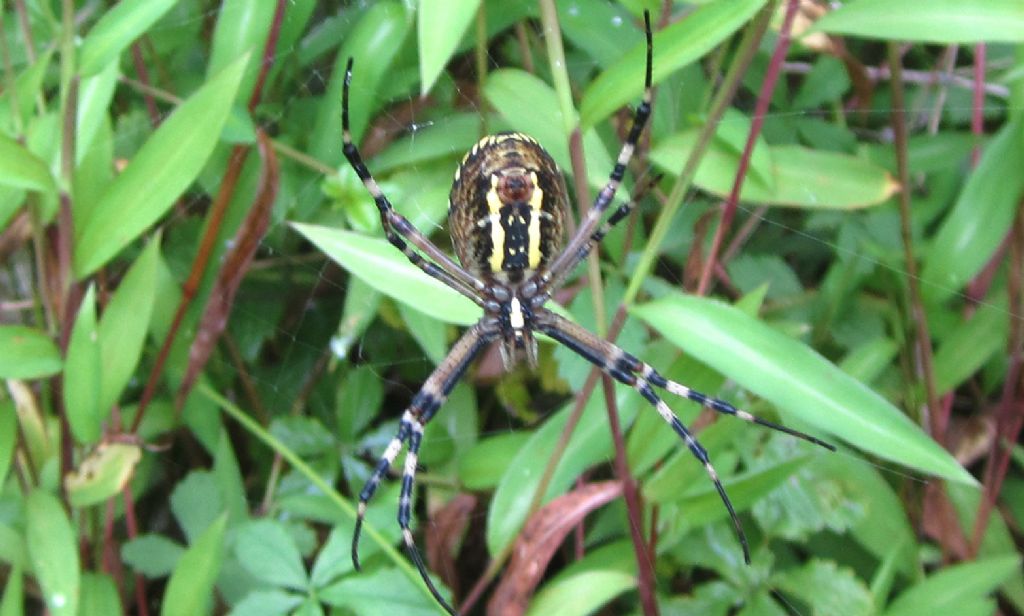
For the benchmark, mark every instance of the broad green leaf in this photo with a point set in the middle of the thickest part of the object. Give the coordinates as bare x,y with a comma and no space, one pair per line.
384,591
160,171
196,503
102,474
8,437
94,96
828,589
935,21
117,29
531,106
590,444
947,591
54,552
580,594
733,130
267,603
972,343
99,594
603,30
123,327
82,369
440,25
335,557
482,466
803,177
13,601
431,334
372,44
681,43
268,552
797,380
387,270
980,218
242,27
20,168
190,589
152,555
703,504
27,353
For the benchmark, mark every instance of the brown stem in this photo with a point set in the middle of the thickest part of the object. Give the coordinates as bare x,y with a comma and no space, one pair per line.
1010,414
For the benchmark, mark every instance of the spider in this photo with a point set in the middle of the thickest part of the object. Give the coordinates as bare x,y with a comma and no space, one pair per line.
507,211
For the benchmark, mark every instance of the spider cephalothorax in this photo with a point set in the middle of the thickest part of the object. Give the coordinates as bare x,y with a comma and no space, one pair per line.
507,210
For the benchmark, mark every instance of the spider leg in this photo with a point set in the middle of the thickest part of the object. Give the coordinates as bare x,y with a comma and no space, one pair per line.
620,213
397,228
629,370
576,246
422,409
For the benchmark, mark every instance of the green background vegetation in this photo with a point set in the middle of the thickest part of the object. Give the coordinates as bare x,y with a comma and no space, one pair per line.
206,341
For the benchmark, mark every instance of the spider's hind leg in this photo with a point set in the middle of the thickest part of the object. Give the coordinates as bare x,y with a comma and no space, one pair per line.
720,406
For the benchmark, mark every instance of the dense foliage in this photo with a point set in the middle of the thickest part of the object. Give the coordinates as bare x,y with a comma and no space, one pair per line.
206,341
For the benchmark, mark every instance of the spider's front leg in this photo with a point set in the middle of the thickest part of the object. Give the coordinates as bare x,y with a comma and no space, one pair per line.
422,409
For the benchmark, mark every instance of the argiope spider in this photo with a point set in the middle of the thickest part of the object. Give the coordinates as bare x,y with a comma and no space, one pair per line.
507,209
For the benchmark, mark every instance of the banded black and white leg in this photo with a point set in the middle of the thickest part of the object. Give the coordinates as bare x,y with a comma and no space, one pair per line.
629,370
397,228
569,257
554,280
421,410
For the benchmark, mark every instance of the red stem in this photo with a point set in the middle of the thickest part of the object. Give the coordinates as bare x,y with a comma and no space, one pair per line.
764,98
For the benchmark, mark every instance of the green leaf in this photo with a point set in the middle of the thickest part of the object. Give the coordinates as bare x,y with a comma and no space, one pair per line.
482,466
797,380
94,96
531,106
981,217
117,29
802,177
681,43
373,44
99,595
387,270
158,174
266,603
935,21
190,589
13,601
82,374
102,474
828,589
580,594
53,551
152,555
970,344
335,557
590,444
27,353
20,168
268,552
242,27
952,588
440,25
8,437
123,327
384,591
196,503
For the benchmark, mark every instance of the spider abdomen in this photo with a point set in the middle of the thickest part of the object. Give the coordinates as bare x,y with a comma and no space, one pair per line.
507,207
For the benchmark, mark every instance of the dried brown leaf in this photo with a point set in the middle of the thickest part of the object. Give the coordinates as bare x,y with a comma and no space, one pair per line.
543,534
